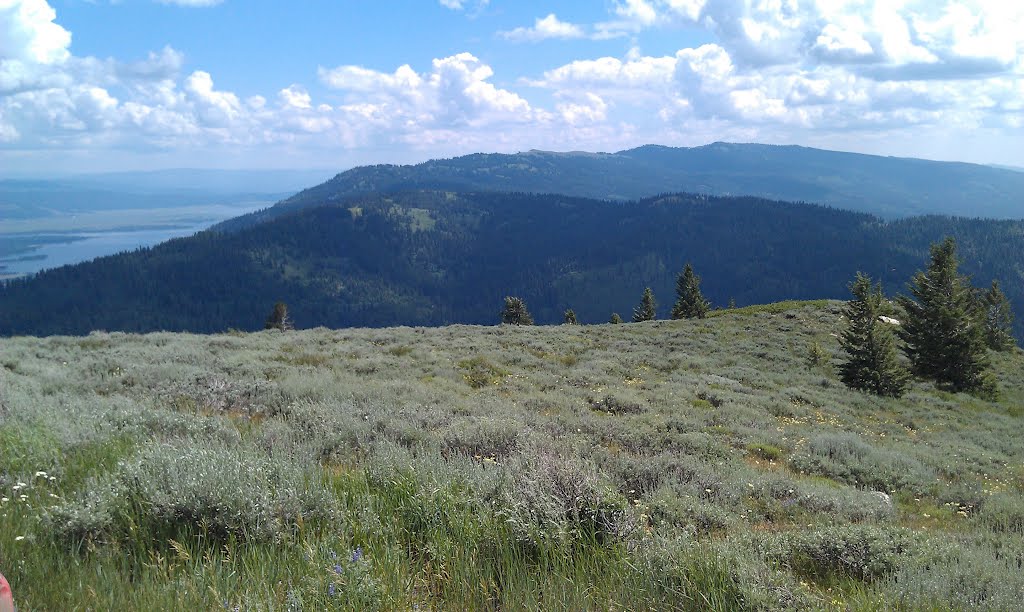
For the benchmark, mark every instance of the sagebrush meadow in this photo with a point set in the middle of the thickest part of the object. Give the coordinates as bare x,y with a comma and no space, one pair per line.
698,464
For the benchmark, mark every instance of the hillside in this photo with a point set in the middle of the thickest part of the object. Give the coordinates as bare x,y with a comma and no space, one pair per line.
884,186
686,465
430,258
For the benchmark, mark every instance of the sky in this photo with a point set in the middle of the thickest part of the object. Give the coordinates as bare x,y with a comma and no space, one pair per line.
102,85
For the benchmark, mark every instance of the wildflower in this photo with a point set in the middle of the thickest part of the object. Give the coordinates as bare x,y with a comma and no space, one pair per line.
19,538
334,556
330,589
338,569
357,554
41,474
4,500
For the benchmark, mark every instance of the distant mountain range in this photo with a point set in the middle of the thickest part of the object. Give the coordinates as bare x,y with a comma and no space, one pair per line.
888,187
435,257
446,240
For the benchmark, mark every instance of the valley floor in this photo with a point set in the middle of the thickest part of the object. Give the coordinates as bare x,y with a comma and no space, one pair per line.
686,465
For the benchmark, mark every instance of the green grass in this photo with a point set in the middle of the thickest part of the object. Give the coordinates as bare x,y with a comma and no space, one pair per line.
685,465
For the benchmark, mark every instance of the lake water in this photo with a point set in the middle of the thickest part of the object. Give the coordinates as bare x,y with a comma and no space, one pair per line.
53,249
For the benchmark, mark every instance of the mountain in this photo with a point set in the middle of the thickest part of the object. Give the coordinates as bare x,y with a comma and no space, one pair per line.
885,186
435,257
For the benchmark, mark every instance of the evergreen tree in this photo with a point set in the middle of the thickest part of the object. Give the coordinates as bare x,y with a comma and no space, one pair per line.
872,364
515,312
615,319
943,328
279,318
690,303
732,303
998,319
647,310
570,317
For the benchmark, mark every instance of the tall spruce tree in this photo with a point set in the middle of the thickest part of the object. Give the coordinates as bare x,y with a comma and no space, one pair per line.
690,303
570,317
515,312
943,328
872,364
648,308
998,319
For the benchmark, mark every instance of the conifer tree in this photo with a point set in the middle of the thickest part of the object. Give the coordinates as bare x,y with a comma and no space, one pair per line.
570,317
998,319
690,303
647,310
515,312
615,319
279,318
872,364
943,327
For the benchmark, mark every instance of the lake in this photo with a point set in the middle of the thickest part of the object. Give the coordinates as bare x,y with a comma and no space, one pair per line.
29,246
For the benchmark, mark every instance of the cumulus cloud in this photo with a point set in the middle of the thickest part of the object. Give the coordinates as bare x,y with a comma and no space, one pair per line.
544,28
456,91
925,38
589,109
806,70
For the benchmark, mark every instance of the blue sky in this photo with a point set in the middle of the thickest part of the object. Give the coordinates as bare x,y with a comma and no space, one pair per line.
140,84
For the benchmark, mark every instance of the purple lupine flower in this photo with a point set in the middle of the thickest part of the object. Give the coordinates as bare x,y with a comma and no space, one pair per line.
357,554
330,589
338,569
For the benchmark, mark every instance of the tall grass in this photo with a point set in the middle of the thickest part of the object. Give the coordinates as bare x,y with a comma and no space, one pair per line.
686,465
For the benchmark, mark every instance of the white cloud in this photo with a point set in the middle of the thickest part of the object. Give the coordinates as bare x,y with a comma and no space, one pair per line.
455,92
815,71
543,29
911,38
29,33
591,109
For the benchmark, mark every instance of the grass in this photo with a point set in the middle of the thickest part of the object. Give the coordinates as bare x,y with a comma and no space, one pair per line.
685,465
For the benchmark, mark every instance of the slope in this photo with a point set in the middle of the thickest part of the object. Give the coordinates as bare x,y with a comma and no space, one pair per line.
428,258
683,465
884,186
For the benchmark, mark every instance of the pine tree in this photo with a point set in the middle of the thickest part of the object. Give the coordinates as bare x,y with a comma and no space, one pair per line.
647,310
570,317
998,319
615,319
515,312
690,303
943,328
279,318
872,364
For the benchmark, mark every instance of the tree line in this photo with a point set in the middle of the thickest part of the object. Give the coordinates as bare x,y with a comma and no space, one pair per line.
945,328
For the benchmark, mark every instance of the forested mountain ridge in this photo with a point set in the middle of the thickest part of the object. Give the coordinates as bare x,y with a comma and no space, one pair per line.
435,257
885,186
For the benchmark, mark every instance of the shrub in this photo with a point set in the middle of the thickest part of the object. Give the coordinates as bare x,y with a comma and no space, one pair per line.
552,496
1003,513
862,552
953,575
171,489
848,458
